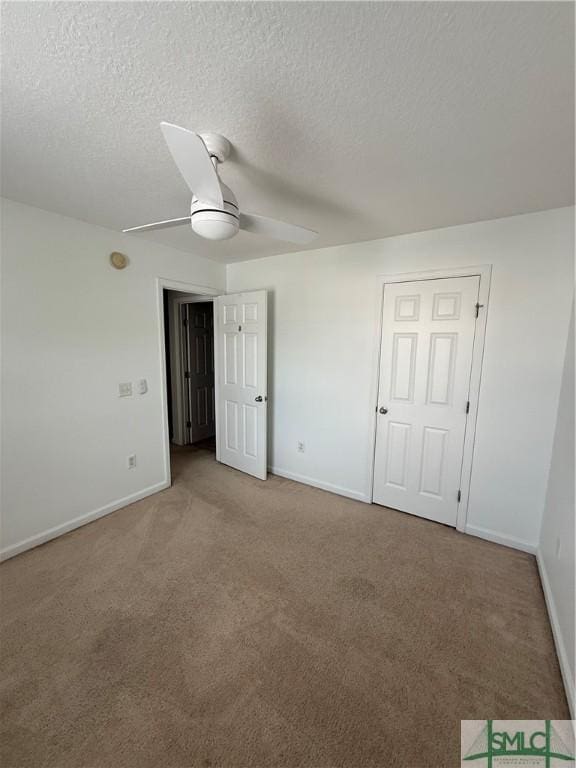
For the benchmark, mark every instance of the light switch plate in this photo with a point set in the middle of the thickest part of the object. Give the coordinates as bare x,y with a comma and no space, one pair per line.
142,386
125,389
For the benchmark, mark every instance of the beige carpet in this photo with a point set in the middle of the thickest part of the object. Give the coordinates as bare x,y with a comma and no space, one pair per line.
229,622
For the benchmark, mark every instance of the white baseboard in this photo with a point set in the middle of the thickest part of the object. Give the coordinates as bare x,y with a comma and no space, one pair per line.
501,538
77,522
357,495
561,652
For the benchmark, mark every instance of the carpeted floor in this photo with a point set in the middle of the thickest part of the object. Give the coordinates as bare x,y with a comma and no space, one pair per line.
227,623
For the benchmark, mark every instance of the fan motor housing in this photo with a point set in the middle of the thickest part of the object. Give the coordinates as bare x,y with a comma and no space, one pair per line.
216,223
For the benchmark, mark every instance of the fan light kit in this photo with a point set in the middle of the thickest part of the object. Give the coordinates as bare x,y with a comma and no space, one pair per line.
214,212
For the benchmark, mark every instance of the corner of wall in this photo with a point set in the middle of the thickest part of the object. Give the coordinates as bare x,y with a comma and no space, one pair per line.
78,522
561,650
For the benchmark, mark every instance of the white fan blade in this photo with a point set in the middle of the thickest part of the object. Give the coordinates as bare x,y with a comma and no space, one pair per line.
194,163
160,224
279,230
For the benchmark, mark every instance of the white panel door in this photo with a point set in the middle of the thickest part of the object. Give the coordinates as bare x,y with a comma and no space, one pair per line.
425,362
241,388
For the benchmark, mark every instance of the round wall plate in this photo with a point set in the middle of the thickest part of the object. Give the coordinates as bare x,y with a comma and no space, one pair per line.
118,260
216,145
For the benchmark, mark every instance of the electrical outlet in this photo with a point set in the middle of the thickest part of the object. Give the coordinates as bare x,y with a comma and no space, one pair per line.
301,447
131,461
142,386
125,389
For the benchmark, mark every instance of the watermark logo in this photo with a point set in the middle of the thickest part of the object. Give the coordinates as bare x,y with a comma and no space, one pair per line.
508,743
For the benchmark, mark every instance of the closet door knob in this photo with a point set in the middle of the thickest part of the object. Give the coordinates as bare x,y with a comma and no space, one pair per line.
258,399
383,410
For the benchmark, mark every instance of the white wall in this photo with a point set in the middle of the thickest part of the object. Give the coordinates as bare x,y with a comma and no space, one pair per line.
324,312
556,553
72,329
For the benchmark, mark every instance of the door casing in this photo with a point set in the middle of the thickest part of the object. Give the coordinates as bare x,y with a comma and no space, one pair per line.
172,285
484,272
203,294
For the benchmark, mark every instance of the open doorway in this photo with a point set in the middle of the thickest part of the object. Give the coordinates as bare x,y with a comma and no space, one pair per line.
214,366
189,349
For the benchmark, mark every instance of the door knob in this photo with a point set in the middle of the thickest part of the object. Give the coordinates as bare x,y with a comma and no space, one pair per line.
383,410
258,399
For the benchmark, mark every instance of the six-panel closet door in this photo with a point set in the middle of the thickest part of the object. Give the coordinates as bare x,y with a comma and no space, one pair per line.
428,331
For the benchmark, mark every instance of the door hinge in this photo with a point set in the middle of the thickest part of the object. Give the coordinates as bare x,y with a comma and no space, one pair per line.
478,308
467,406
459,496
187,375
189,424
185,322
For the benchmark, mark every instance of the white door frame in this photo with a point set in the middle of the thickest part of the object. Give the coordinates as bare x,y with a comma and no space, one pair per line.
172,285
484,272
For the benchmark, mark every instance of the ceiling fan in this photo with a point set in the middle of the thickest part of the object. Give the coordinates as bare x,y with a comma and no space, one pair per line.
214,213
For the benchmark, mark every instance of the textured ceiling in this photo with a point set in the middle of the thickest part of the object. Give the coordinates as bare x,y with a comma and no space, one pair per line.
360,120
